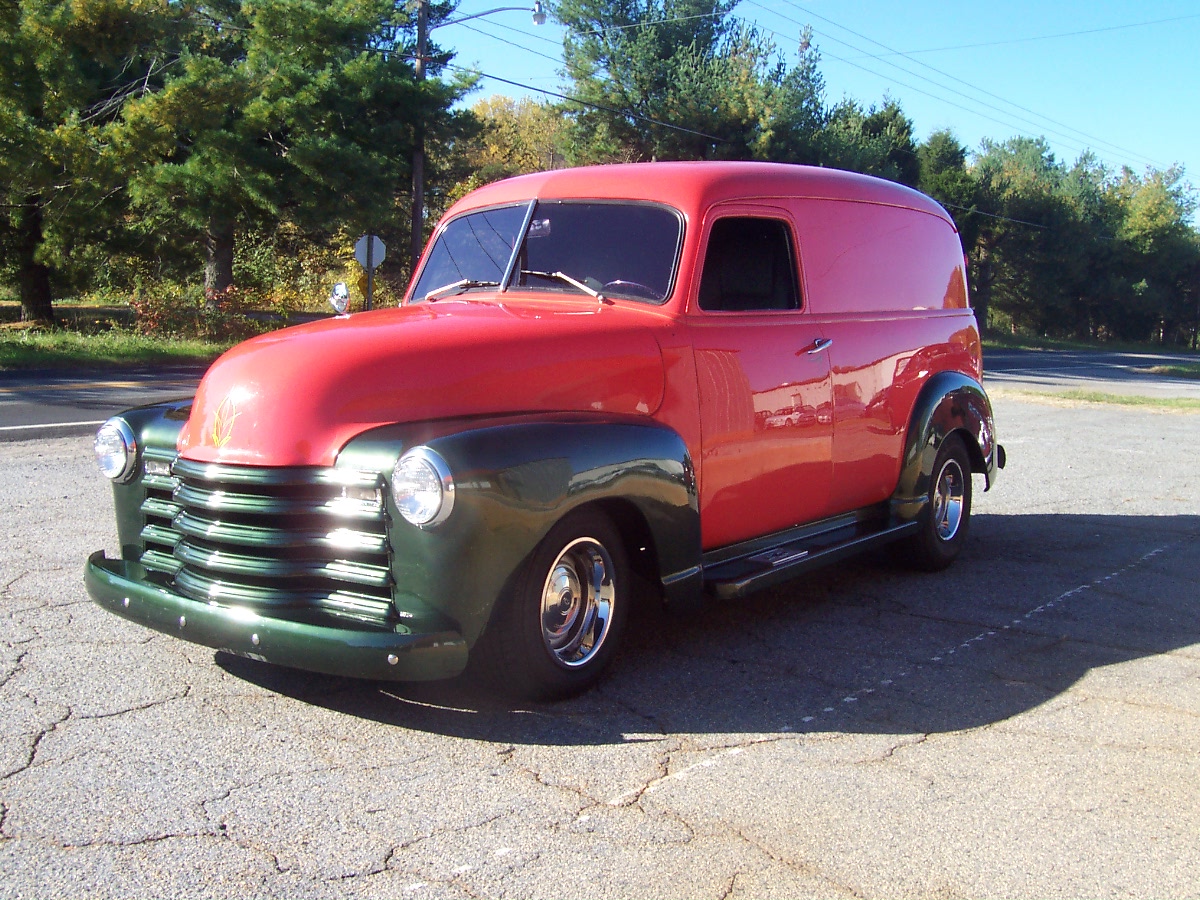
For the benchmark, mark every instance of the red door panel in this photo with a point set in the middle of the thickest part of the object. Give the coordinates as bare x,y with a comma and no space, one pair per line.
766,425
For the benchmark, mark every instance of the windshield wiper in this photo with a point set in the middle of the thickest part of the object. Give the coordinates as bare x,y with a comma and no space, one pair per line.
563,276
459,287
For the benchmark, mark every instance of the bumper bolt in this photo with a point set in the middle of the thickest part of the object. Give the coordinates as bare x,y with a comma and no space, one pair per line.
182,621
126,603
254,639
393,659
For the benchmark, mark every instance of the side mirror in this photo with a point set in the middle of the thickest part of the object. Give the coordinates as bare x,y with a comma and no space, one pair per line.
340,298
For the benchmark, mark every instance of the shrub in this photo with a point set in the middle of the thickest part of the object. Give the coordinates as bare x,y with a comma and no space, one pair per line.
165,309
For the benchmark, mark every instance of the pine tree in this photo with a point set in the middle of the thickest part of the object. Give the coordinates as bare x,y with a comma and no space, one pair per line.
283,108
66,71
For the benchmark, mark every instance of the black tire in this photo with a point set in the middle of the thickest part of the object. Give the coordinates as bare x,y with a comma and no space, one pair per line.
557,630
946,518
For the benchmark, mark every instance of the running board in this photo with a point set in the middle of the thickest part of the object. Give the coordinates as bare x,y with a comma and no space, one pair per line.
766,566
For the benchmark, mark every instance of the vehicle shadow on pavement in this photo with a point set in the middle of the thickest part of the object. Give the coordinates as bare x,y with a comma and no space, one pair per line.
1036,603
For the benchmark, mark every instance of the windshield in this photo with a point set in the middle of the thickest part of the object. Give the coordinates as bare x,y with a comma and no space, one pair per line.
626,250
474,249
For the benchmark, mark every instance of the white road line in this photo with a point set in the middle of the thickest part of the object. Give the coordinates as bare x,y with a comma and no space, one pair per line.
49,425
101,385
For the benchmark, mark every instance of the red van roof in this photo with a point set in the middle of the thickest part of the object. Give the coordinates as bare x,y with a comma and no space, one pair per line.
692,187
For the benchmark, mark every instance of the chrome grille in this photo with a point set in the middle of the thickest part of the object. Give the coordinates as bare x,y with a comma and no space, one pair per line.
300,543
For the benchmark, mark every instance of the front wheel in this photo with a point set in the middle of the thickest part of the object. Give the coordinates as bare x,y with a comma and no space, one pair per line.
557,631
943,523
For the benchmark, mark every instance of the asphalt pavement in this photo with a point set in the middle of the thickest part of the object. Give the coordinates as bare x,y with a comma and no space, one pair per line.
42,404
1056,371
1022,725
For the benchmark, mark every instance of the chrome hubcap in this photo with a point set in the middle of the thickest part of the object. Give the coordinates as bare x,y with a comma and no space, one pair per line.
577,602
949,496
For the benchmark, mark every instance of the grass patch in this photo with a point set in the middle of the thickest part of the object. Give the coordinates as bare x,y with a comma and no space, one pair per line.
999,340
1171,403
31,348
1131,399
1188,370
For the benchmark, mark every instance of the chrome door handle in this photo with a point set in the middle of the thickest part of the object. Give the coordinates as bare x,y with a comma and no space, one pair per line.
820,344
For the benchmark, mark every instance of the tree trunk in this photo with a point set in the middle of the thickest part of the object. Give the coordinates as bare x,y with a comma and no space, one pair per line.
218,265
981,286
33,277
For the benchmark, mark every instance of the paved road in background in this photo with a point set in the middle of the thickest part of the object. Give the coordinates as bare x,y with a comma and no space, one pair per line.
1054,371
40,404
1022,725
46,404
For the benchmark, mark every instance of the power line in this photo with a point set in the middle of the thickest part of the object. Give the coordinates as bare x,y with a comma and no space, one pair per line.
1066,140
979,212
1037,125
496,37
894,52
849,62
842,59
525,32
619,112
645,24
1043,37
973,210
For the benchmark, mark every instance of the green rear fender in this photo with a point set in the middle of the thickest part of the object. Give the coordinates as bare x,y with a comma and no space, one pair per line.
949,402
513,481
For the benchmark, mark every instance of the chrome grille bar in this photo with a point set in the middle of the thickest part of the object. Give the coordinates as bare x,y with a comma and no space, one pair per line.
288,541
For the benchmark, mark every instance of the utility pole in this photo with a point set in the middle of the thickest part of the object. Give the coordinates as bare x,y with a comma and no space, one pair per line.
418,161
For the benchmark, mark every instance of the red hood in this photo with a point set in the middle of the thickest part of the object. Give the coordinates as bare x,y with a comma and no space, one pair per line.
295,397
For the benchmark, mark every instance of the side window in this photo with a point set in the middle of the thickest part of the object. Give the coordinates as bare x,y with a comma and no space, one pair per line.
749,265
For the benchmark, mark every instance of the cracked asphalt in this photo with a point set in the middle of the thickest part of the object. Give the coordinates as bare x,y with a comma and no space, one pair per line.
1025,724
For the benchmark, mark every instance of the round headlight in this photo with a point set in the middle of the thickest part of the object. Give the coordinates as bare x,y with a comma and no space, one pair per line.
423,487
116,449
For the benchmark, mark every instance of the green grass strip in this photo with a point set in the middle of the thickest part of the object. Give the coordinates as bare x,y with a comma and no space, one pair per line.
1187,370
1002,341
1123,399
29,349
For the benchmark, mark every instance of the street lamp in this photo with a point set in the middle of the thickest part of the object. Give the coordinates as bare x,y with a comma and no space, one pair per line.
418,162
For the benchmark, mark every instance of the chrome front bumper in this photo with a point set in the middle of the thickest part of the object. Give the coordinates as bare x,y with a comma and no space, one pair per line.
121,587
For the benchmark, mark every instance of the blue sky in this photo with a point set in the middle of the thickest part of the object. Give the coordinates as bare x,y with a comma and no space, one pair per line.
1121,79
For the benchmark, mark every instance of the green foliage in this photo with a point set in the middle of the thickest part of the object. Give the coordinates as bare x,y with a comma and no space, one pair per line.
641,68
515,137
1190,370
1081,252
67,67
282,109
944,176
875,141
286,271
1171,403
167,310
153,133
40,348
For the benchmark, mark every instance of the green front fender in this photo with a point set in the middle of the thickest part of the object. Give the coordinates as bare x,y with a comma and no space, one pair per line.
513,480
949,402
155,428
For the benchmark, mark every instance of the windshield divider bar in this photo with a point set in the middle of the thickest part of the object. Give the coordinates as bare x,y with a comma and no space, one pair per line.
516,251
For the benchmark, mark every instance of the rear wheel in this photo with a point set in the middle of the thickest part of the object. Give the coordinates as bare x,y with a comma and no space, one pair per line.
943,523
557,631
